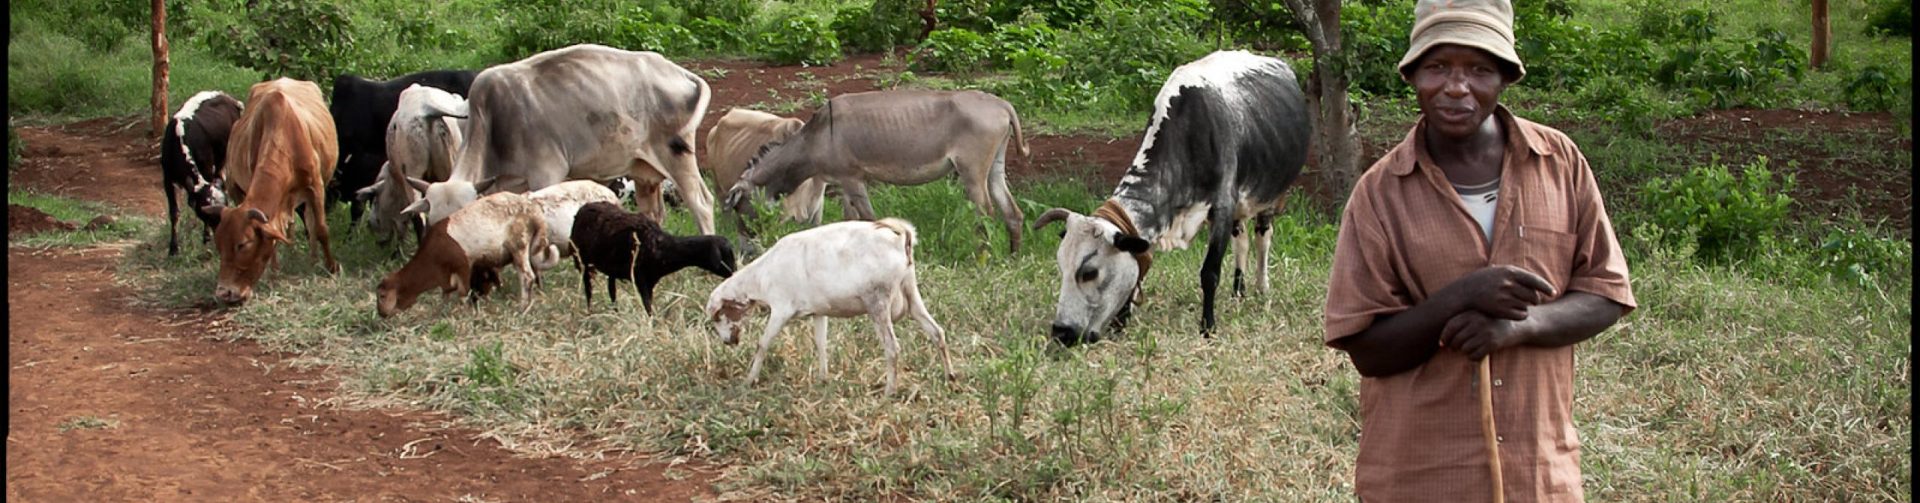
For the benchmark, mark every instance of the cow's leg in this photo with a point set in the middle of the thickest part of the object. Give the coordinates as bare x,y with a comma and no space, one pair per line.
774,322
316,216
1239,260
1003,200
1262,244
910,287
820,344
856,193
173,218
694,194
1221,228
878,308
973,181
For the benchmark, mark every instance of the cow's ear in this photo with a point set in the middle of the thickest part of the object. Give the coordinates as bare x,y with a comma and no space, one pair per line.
366,193
481,186
418,207
1130,243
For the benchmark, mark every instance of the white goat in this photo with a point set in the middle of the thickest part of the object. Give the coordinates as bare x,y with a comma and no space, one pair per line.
841,270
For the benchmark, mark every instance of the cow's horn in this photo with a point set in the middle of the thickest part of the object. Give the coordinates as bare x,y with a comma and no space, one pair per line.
1050,216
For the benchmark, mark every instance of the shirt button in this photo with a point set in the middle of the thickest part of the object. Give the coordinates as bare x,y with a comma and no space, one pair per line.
1496,382
1499,438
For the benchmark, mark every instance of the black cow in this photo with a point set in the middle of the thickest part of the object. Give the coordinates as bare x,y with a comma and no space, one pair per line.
1228,136
193,152
361,109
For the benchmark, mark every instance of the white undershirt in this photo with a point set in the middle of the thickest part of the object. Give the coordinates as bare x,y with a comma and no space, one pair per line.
1480,200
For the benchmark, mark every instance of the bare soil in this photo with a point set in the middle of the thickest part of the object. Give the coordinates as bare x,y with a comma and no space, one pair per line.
110,401
1829,179
24,220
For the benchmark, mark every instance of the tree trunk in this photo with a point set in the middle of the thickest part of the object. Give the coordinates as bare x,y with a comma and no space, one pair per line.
1336,144
929,17
1822,36
160,63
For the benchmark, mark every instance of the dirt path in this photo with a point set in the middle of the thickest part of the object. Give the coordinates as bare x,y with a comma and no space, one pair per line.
113,402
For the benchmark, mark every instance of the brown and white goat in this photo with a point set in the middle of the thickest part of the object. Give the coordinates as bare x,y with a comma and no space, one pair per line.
495,231
841,270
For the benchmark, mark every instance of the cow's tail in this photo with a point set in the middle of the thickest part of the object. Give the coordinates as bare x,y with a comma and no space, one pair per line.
904,229
1019,140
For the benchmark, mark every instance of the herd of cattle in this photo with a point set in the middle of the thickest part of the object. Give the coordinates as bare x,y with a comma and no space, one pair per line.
515,166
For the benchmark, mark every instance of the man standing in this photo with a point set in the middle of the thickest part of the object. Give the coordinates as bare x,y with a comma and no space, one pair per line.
1481,235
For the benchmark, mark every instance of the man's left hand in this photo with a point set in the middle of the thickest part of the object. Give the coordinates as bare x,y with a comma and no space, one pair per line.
1477,335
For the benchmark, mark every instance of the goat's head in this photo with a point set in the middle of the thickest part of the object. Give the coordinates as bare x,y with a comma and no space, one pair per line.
1098,274
726,315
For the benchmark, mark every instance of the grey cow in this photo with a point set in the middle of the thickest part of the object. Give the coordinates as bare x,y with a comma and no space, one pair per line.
906,137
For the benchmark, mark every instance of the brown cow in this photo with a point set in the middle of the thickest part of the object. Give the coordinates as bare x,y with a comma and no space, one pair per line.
280,156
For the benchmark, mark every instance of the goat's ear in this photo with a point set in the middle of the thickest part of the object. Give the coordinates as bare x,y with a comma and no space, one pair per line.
481,186
1051,216
418,207
1131,243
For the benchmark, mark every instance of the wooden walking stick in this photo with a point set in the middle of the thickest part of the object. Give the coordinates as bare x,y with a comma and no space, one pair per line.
1486,426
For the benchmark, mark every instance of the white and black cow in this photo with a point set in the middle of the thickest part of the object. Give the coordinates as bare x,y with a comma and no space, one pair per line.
1228,136
584,112
361,109
193,151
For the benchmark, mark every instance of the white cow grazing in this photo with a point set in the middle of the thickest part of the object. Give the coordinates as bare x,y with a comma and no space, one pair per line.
738,136
841,270
422,138
559,203
584,112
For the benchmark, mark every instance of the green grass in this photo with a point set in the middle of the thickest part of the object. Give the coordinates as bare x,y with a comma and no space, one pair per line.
88,423
1725,385
52,78
78,213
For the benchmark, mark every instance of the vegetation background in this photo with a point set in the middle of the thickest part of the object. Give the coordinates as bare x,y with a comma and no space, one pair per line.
1770,359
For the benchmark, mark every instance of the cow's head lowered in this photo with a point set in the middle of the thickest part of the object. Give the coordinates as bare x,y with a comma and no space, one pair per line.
779,168
246,242
1100,269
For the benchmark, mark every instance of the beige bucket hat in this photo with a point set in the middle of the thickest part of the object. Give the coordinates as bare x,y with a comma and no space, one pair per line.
1482,24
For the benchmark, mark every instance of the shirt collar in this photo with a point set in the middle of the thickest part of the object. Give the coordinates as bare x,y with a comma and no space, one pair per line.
1409,151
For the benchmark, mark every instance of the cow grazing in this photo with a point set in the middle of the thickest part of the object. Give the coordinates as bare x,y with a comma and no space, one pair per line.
585,112
495,231
277,161
1228,136
841,270
633,247
361,111
902,138
738,136
422,139
192,152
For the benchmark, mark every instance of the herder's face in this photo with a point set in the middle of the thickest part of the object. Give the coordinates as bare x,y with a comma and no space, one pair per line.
1458,88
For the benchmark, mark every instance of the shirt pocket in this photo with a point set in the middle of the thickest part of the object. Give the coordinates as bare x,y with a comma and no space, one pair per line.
1547,251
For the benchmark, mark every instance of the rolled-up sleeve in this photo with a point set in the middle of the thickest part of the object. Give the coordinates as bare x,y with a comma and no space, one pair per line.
1362,284
1599,267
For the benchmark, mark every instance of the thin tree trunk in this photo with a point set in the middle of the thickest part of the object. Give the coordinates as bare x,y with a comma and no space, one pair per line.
160,64
1336,144
1822,35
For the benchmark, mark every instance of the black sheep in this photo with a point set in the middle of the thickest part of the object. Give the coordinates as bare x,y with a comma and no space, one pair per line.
632,247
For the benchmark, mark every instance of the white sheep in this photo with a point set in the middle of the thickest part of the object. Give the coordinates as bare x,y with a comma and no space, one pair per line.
841,270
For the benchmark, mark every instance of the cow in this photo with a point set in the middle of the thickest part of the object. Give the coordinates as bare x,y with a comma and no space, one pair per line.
1228,136
734,140
902,137
422,139
192,151
361,110
278,160
587,112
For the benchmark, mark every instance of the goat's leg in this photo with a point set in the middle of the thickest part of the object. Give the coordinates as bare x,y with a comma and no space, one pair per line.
820,343
883,324
645,287
527,277
918,306
1239,260
1262,245
774,322
586,282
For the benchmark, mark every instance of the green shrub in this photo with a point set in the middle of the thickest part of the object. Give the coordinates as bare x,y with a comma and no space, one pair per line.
1873,89
1892,18
534,26
716,34
1019,37
307,40
1657,20
732,11
1129,48
101,25
964,14
954,50
1060,12
1726,216
636,30
1862,257
1749,74
803,39
1375,39
865,29
1619,101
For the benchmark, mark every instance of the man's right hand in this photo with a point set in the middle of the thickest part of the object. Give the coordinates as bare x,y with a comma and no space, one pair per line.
1501,291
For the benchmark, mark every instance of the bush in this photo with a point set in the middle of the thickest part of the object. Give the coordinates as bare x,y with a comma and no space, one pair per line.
307,40
1725,216
954,50
803,39
636,30
1862,257
1873,89
731,11
535,26
1752,74
1619,101
1375,39
1130,48
865,29
1892,18
716,34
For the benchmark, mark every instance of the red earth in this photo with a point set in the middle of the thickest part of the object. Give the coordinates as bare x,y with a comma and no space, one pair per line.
112,400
